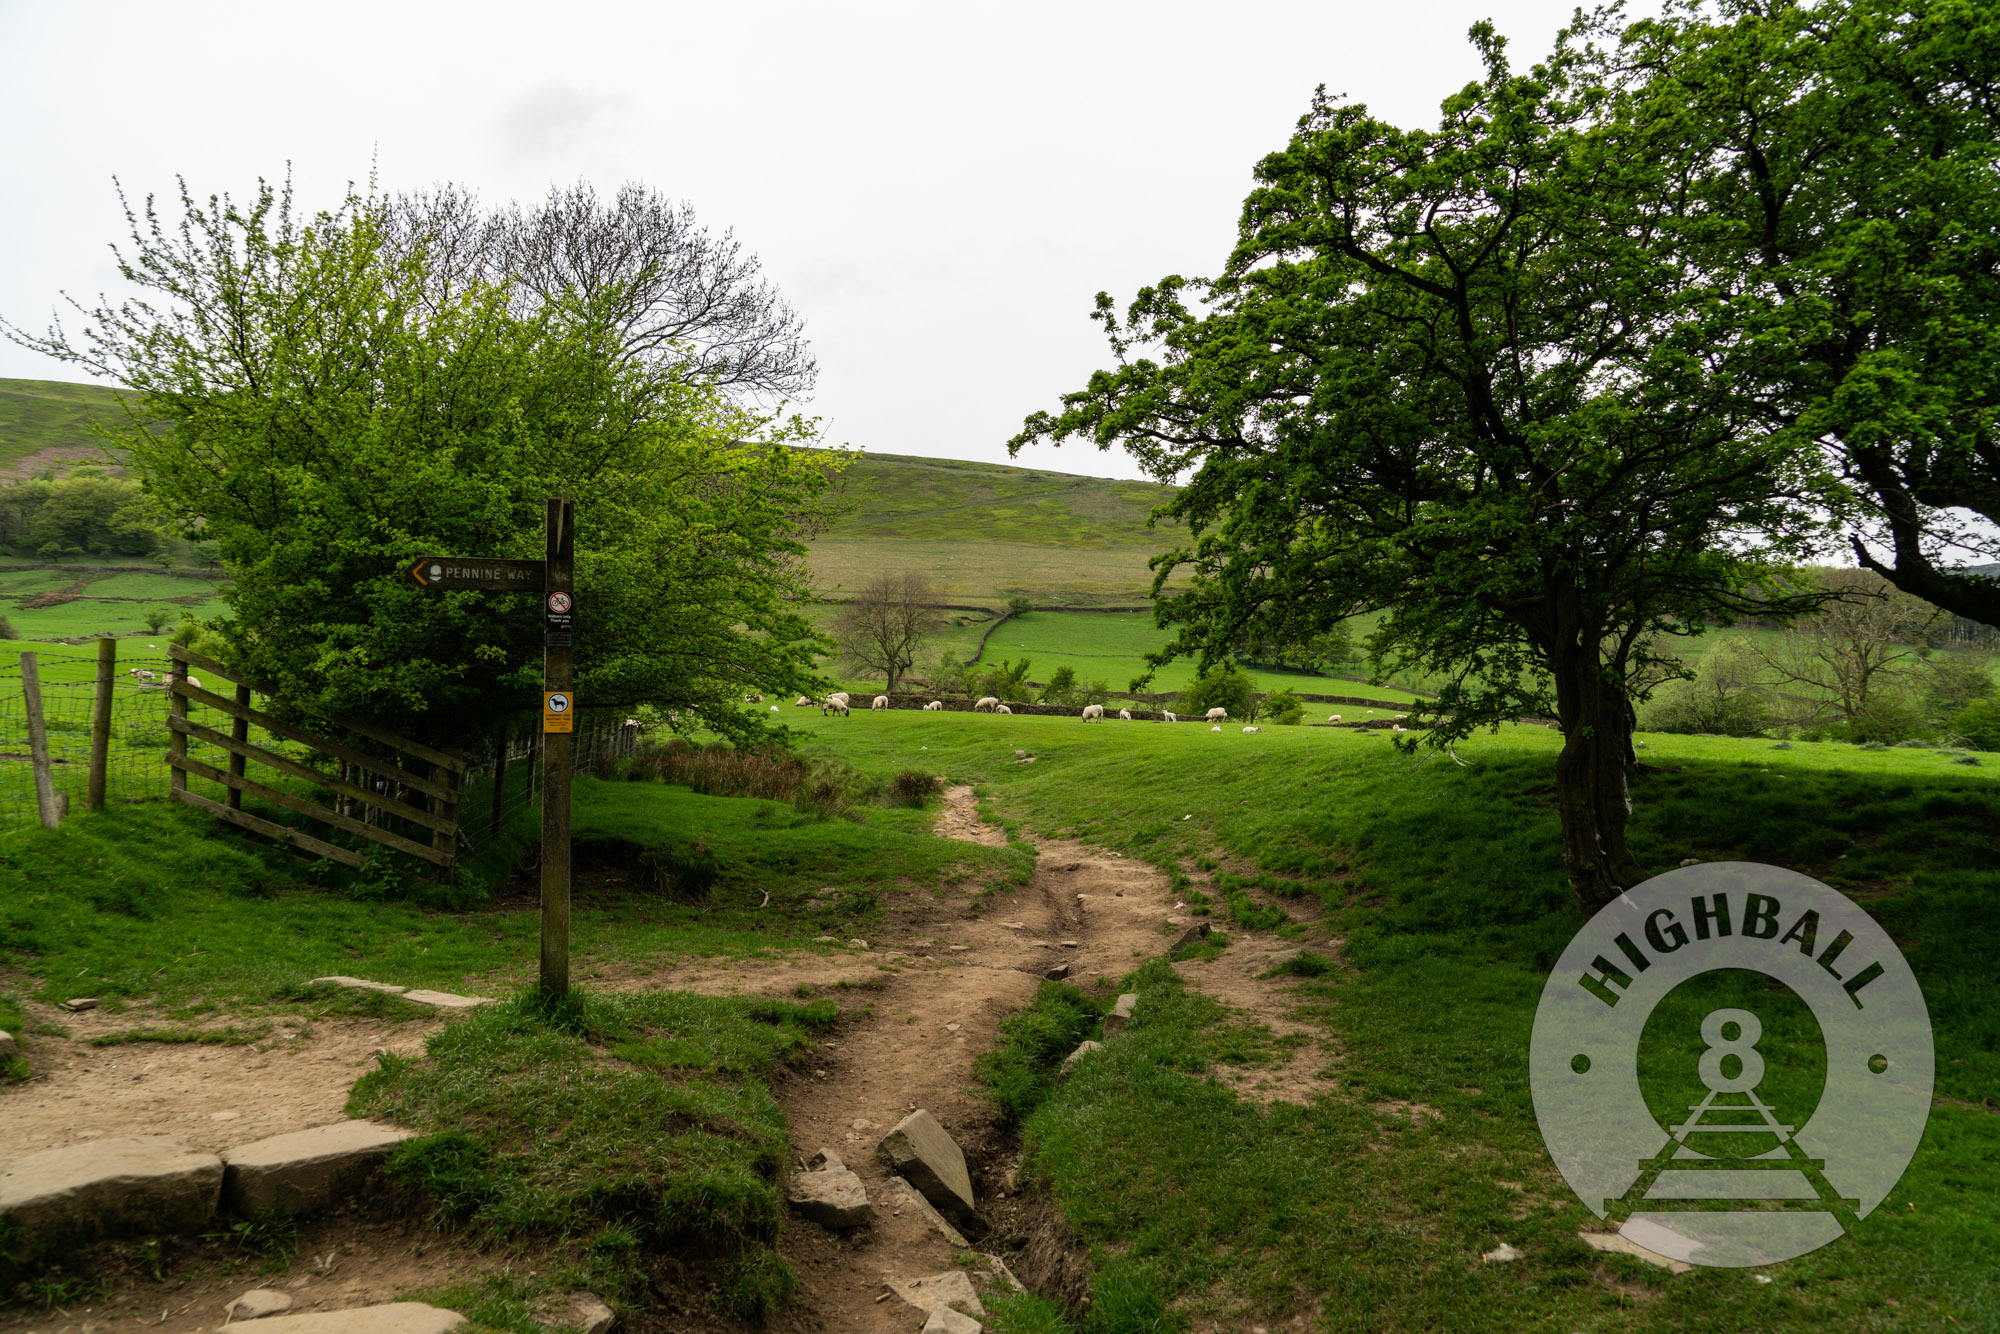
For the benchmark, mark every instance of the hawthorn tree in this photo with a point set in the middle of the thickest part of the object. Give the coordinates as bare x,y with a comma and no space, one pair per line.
1456,376
1842,167
329,422
886,625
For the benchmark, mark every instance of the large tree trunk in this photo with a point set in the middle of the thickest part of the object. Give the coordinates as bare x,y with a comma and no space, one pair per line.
1596,718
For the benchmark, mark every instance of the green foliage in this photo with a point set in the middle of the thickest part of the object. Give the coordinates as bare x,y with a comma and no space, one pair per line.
263,337
1019,606
1019,1073
1006,682
1061,688
757,1285
1283,707
87,512
1723,697
1222,686
270,1236
914,788
1979,724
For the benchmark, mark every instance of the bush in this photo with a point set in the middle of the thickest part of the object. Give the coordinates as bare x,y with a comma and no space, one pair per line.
1061,688
1283,707
913,787
1979,724
7,629
1219,687
1722,698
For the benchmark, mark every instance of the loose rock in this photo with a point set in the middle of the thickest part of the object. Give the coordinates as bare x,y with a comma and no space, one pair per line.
592,1315
258,1303
80,1004
1121,1013
109,1187
941,1291
931,1160
307,1169
1194,935
1075,1058
833,1197
392,1318
923,1206
1057,973
944,1320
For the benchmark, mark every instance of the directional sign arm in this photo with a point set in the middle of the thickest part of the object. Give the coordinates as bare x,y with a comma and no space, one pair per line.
450,574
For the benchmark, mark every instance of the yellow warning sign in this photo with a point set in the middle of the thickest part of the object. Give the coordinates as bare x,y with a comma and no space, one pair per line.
556,707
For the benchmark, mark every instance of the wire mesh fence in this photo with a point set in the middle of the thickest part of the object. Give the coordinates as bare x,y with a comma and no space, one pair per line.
134,768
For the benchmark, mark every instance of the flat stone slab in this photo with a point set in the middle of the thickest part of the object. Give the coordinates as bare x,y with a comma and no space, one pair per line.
593,1316
258,1303
930,1160
1622,1245
1121,1013
1075,1058
445,1000
359,984
909,1195
940,1291
110,1187
306,1169
944,1320
833,1197
392,1318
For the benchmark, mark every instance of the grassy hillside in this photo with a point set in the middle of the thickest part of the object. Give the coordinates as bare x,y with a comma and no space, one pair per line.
38,415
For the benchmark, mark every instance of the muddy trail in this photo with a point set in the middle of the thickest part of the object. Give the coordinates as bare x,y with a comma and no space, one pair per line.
921,1002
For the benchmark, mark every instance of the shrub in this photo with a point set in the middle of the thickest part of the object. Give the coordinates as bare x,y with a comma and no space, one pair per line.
1019,606
7,629
1219,687
720,771
1722,698
1283,707
1979,724
913,787
1061,688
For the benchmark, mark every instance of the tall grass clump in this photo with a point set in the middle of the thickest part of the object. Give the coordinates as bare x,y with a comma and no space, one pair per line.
1020,1072
720,770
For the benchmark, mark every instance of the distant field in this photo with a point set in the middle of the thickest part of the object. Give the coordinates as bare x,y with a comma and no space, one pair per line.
898,497
104,604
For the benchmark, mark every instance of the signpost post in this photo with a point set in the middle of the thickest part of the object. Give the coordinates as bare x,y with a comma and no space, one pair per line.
554,579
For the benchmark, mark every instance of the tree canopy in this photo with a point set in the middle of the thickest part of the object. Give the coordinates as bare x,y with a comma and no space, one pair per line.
331,421
1460,377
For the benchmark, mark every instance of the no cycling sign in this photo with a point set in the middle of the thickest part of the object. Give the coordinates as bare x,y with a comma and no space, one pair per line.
1734,1062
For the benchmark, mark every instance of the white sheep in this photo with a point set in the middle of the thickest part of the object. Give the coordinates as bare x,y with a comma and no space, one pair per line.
835,703
774,708
1218,715
1333,717
986,704
1125,714
935,706
1216,728
1091,711
881,702
195,681
803,703
1253,729
1001,708
1170,716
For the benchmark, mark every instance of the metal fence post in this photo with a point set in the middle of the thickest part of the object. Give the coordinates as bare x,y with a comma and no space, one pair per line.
38,742
100,722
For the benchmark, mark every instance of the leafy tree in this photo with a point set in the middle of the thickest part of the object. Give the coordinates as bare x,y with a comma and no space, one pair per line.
1452,375
1220,686
330,425
1008,681
885,626
1061,688
1855,655
1725,694
1840,167
157,618
1283,707
1019,605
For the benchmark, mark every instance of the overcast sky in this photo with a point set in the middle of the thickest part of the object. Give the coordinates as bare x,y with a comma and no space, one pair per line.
940,190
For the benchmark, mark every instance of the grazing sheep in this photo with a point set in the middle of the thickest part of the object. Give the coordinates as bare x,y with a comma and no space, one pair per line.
1125,714
803,703
834,703
1170,717
1218,715
881,702
986,704
774,708
1253,729
1333,717
1398,727
753,699
1001,708
935,706
1216,728
1091,711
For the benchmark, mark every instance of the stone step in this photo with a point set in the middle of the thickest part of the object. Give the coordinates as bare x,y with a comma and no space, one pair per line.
1121,1013
930,1160
437,1000
390,1318
109,1187
306,1169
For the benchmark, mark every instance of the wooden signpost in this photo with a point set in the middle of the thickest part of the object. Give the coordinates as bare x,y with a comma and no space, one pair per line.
554,578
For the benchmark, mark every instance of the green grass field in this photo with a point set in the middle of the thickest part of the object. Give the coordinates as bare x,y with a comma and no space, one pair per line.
101,603
1446,884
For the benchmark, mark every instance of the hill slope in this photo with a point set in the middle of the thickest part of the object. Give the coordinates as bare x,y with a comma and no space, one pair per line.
983,532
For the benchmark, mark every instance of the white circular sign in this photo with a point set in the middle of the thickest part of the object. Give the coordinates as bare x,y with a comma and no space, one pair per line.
558,703
1800,1180
558,602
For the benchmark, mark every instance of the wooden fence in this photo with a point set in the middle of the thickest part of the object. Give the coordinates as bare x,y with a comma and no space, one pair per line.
395,792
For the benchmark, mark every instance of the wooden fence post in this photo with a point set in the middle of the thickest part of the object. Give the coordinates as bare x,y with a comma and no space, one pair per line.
239,730
100,722
38,742
446,841
177,745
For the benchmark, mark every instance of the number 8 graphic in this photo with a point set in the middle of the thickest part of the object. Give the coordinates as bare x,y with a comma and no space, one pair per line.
1743,1046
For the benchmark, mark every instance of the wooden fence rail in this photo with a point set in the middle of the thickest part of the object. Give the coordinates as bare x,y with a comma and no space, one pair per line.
403,788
